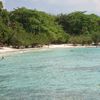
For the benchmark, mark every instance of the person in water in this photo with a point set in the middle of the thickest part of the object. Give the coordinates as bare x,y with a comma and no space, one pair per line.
2,58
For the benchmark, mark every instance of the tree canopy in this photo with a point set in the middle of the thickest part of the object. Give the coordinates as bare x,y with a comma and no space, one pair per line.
79,23
27,27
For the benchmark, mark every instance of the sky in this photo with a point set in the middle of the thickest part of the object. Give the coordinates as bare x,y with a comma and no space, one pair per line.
56,6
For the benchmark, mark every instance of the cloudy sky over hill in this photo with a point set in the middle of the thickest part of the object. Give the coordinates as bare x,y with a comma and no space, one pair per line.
56,6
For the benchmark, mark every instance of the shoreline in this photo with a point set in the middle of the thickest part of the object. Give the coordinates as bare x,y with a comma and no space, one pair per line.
4,51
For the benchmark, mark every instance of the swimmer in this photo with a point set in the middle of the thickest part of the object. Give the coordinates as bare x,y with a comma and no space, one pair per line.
2,58
71,50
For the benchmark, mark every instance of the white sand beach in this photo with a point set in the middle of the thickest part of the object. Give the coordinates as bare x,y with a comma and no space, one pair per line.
8,50
4,51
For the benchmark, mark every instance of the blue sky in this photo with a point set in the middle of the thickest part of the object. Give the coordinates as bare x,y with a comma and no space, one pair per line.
56,6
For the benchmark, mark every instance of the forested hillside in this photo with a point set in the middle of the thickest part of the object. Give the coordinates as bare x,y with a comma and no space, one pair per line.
26,27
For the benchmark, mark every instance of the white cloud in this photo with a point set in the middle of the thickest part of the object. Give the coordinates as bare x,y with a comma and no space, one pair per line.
57,6
66,6
97,5
62,2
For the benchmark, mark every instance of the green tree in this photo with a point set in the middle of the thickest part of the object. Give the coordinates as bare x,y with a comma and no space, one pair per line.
96,37
77,23
1,5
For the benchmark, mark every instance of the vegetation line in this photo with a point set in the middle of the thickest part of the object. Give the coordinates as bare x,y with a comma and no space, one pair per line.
31,28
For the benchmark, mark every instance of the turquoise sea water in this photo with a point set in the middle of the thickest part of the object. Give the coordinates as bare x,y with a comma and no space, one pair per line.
55,74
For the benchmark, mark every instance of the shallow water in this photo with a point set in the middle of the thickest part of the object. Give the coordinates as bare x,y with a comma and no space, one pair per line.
56,74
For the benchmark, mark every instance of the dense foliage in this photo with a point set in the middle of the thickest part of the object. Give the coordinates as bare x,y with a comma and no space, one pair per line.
26,27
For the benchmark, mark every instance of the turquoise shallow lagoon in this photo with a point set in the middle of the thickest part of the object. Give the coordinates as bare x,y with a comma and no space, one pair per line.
55,74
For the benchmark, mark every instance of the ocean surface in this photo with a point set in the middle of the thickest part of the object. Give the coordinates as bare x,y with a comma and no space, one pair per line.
54,74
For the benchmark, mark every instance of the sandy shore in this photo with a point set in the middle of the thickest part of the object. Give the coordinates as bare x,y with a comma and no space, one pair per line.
7,50
4,51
